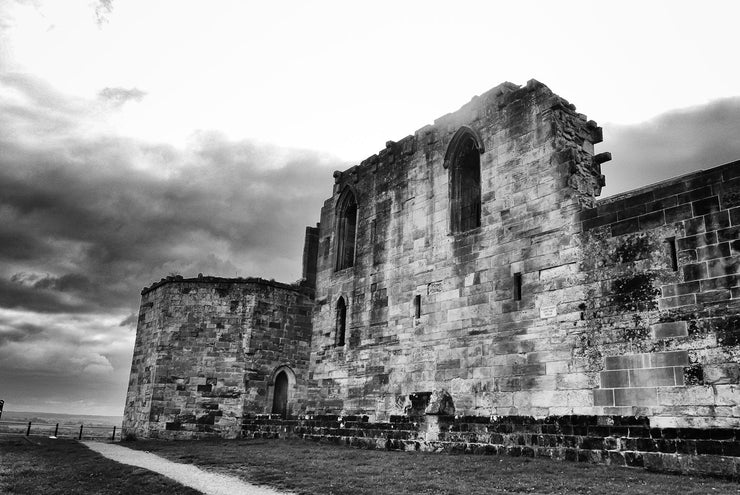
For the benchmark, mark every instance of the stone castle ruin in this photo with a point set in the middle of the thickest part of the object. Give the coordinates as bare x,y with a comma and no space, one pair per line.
465,290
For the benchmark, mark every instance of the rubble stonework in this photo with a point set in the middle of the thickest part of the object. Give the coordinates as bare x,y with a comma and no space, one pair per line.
472,260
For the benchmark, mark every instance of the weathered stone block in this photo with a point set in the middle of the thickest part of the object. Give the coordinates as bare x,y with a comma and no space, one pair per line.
705,206
669,329
735,216
636,397
625,227
722,374
440,403
695,271
723,266
678,213
669,358
652,377
713,296
695,194
626,362
717,220
614,379
604,397
651,220
696,241
674,302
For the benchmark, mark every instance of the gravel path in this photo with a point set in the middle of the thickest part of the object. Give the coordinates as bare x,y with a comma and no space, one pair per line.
187,474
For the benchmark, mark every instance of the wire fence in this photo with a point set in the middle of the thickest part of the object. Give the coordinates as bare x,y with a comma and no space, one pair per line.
61,430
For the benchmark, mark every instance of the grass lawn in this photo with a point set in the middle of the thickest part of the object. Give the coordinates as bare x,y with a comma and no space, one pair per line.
39,465
318,469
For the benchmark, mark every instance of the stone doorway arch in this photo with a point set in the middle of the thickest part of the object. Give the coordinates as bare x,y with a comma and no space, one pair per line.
280,395
281,391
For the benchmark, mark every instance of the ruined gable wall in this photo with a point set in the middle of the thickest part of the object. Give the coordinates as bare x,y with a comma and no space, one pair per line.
471,338
206,351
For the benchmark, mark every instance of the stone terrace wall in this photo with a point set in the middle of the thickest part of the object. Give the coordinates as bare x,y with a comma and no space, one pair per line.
661,317
352,430
472,337
206,351
614,440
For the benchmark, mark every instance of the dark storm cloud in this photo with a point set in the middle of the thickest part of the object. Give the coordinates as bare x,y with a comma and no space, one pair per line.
19,332
672,144
71,282
129,321
119,96
88,219
98,217
17,245
14,294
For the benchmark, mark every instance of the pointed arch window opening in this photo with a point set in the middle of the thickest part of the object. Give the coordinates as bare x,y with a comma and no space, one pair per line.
346,230
465,184
341,324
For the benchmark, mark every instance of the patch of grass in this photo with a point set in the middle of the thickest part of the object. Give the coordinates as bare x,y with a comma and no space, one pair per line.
46,466
312,468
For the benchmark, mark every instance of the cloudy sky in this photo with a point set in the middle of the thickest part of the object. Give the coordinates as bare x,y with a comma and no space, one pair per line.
144,138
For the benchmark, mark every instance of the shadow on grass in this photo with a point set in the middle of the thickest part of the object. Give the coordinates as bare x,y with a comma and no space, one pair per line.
312,468
42,465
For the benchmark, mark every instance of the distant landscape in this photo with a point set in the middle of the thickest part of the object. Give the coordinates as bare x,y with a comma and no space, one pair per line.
93,427
53,418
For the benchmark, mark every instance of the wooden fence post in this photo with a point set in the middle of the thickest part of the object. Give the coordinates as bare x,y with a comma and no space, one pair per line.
28,430
80,437
56,429
113,437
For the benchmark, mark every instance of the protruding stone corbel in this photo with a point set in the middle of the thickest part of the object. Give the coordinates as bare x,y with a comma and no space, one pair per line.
602,158
597,134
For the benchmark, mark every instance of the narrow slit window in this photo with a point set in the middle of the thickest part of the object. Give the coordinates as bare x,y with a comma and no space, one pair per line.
517,292
672,252
417,306
341,325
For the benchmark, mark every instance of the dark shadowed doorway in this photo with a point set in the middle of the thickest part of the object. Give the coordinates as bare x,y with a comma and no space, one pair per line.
280,397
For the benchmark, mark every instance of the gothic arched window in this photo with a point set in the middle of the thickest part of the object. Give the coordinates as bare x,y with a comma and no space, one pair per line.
346,230
463,160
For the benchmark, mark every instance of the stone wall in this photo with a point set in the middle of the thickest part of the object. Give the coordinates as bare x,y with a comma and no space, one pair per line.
557,304
613,440
207,351
557,324
662,313
472,336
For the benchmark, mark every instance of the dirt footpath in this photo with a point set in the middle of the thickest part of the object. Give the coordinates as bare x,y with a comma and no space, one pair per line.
187,474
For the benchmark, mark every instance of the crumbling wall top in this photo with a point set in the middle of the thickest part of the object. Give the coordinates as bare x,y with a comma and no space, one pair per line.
175,279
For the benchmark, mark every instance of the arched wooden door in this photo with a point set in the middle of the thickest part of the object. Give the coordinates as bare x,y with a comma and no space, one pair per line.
280,395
